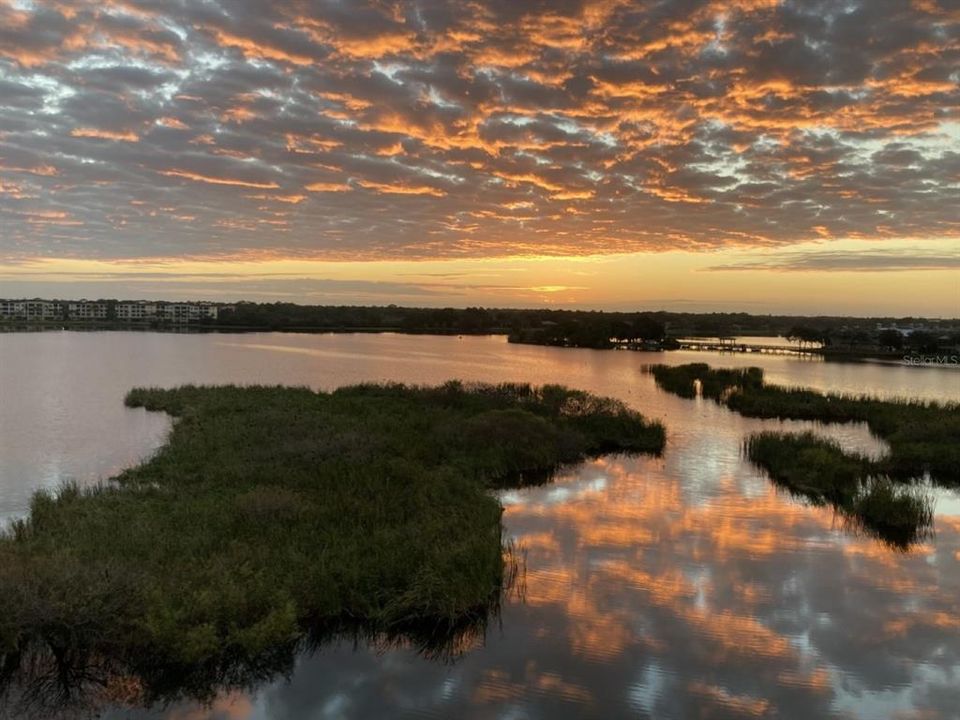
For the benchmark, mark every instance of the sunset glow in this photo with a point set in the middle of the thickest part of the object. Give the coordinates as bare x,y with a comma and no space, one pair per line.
765,156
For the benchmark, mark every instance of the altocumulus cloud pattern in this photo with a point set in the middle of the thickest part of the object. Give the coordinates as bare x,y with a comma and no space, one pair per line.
433,129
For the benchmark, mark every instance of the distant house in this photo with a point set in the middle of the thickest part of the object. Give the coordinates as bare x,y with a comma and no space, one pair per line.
903,331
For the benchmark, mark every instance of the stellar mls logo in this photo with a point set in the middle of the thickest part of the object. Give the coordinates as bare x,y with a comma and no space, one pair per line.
931,359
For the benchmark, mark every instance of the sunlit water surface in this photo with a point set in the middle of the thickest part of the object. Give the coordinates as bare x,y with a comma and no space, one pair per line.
673,587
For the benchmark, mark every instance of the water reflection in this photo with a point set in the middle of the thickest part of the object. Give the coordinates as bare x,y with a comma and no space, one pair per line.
645,596
61,393
61,678
672,587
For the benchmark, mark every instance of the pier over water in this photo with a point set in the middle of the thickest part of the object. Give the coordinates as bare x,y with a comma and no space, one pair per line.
738,346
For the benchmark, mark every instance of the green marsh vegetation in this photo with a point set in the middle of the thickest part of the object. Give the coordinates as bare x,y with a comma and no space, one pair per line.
878,495
686,380
819,470
279,517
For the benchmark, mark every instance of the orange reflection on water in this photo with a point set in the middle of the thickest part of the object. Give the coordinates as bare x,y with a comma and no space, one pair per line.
498,686
234,705
720,576
714,697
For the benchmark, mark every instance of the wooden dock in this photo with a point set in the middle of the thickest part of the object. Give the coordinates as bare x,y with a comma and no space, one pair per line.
741,347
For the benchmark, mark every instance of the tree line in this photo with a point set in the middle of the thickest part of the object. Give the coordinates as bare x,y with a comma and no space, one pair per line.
593,329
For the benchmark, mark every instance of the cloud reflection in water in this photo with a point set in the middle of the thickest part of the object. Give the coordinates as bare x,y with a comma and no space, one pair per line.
670,591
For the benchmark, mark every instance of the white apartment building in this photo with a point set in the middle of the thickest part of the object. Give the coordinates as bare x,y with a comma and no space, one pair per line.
136,310
188,312
209,310
15,309
30,309
168,312
126,311
84,310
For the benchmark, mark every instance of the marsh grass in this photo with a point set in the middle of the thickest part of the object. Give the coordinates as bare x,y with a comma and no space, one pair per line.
686,380
924,437
819,470
891,510
877,496
275,515
809,464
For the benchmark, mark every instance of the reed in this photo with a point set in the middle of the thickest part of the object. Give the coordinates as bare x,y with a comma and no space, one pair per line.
924,437
273,514
877,496
819,470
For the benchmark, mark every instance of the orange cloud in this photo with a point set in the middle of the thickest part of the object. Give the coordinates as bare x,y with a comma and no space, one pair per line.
309,144
328,187
258,50
196,177
171,122
289,199
117,135
613,121
12,190
532,179
41,170
400,189
573,195
237,114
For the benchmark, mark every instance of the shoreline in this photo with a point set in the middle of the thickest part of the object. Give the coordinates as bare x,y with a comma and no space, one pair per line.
944,359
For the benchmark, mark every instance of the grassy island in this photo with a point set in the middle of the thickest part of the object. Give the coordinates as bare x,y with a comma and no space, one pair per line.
924,440
274,513
820,470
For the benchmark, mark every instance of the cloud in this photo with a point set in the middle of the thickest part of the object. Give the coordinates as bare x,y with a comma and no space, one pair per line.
474,129
226,287
401,189
196,177
848,261
105,134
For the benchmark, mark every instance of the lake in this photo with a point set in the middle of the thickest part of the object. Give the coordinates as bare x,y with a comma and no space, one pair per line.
671,587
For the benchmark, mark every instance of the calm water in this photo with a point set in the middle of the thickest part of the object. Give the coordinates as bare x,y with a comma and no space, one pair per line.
683,586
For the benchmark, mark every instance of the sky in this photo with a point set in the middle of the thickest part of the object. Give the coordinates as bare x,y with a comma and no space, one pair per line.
757,155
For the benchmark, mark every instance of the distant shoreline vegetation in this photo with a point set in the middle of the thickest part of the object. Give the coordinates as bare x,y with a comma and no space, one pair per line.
274,518
879,495
898,339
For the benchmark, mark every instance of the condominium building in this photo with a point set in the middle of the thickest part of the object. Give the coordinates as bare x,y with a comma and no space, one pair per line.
139,310
30,309
188,312
142,310
15,309
124,311
84,310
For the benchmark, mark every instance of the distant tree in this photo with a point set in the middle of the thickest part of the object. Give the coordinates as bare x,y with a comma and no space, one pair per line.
646,328
622,331
923,341
725,332
890,338
805,335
